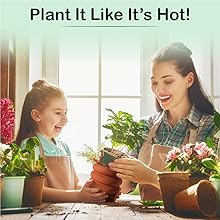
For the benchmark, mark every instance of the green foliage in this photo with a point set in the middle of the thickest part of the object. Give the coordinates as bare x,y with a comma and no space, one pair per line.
23,162
217,119
125,130
212,165
89,154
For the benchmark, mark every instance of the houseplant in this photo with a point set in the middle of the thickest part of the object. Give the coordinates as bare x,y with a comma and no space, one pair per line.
126,133
189,158
10,163
22,162
34,169
13,177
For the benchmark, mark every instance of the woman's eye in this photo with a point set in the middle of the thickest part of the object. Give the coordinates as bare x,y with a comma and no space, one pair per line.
168,82
153,83
57,113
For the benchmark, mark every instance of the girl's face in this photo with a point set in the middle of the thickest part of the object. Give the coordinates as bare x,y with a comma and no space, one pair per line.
169,86
52,119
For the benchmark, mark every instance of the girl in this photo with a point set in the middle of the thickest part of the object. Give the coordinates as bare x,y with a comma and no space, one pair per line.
44,115
185,115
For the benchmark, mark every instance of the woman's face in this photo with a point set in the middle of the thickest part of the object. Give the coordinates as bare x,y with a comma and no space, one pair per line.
169,86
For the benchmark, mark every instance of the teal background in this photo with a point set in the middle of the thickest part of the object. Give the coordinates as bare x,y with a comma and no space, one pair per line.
203,18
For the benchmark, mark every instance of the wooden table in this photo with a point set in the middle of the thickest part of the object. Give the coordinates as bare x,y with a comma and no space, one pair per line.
127,207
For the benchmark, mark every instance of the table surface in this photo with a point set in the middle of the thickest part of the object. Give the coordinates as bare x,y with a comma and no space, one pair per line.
126,207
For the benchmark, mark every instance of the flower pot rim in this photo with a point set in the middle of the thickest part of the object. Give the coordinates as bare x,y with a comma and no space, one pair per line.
173,175
15,177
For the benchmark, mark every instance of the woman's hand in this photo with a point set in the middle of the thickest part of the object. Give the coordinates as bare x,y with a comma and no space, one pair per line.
90,194
134,170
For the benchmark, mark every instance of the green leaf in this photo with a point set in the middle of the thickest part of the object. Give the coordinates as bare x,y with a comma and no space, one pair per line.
210,163
209,143
217,119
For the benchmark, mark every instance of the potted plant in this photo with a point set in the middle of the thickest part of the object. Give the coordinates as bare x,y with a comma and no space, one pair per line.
34,169
125,133
20,163
10,162
11,166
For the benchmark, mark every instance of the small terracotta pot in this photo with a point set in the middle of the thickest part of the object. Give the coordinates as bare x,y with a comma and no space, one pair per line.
200,198
104,169
106,180
109,155
33,191
170,184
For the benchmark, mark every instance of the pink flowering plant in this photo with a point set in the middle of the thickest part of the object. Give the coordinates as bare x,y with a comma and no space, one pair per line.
7,121
191,158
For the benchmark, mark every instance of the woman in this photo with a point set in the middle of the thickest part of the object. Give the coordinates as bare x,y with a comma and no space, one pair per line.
185,115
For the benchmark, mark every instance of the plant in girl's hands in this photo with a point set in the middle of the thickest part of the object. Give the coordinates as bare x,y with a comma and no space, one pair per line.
191,158
7,121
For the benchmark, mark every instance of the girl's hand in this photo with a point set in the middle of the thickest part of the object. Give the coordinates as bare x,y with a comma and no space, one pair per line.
131,169
89,194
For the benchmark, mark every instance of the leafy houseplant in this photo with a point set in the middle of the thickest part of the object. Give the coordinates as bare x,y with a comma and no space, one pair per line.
125,132
17,161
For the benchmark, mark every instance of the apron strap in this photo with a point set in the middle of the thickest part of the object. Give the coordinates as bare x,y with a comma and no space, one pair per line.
192,135
145,151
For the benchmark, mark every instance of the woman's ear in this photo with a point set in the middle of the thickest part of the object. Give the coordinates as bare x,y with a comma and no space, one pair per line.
189,79
35,115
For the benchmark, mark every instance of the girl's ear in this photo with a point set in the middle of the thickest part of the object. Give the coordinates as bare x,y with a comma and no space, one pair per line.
35,115
189,79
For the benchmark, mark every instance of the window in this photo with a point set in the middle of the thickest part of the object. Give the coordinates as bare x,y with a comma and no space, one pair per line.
97,74
111,70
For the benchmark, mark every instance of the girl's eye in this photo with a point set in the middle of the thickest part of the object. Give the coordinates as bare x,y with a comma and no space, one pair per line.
57,113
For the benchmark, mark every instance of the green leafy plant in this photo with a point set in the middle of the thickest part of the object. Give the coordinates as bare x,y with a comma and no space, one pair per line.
212,165
125,131
209,162
16,161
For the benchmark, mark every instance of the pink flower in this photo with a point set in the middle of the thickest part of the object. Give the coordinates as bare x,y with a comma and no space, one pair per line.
172,154
202,150
7,121
187,149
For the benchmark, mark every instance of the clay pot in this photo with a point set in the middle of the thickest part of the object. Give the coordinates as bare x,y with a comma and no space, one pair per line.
193,179
108,155
170,184
149,192
200,198
106,180
33,191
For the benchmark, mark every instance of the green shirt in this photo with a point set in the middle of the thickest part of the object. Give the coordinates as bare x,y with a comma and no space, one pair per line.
166,135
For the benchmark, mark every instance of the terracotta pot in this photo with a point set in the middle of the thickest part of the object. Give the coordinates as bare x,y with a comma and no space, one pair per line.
193,180
104,169
200,198
149,192
106,180
216,183
109,155
170,184
33,191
